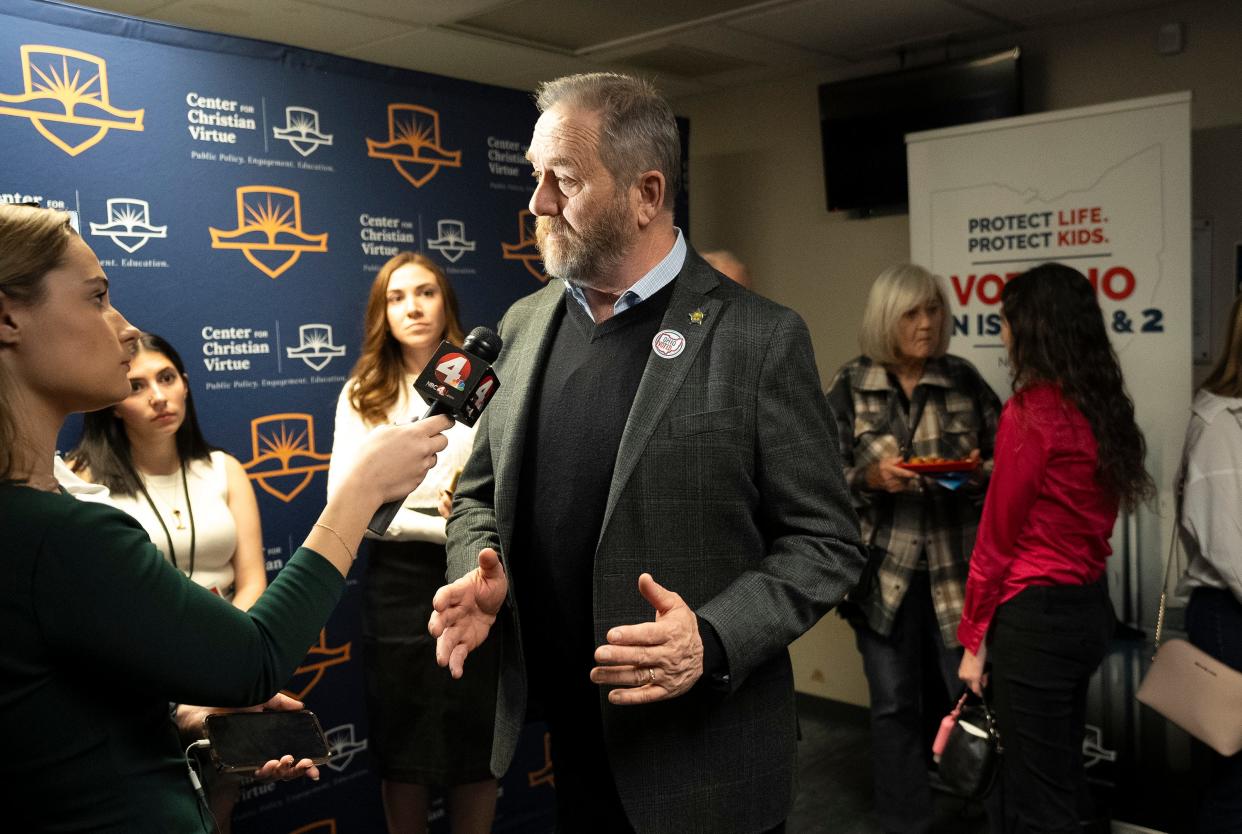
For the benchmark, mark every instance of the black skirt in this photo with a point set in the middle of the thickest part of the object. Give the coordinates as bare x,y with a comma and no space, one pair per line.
426,728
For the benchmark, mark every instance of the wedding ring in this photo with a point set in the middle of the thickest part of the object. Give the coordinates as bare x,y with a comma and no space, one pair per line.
651,676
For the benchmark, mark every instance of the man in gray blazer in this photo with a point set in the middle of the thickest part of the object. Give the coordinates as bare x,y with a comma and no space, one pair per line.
654,508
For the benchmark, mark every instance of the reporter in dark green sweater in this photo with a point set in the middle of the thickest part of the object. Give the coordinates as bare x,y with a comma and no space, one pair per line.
99,631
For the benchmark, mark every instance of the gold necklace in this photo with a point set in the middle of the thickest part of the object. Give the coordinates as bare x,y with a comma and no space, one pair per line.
185,488
163,499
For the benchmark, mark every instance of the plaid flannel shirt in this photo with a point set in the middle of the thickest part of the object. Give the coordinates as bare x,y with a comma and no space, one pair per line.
960,414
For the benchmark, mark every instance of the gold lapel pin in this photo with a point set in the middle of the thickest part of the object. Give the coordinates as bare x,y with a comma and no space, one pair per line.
697,316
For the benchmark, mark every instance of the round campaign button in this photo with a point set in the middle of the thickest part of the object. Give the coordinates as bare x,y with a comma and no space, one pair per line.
668,344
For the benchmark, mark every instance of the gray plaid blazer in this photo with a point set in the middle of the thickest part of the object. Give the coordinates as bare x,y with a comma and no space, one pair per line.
728,489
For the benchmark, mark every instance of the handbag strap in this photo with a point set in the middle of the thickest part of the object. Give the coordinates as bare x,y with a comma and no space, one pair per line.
993,733
1168,563
983,702
1164,586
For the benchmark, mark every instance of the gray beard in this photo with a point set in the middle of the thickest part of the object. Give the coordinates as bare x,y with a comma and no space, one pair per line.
591,255
588,271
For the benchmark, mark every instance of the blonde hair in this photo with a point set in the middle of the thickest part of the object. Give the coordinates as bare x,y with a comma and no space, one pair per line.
1225,379
32,242
896,291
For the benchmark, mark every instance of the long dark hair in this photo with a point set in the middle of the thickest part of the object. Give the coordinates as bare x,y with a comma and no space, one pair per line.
379,372
1058,336
105,449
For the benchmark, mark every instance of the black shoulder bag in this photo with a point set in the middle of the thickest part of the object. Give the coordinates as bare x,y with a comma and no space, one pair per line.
970,759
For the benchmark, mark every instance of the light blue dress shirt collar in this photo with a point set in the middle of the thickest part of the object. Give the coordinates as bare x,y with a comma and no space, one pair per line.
660,276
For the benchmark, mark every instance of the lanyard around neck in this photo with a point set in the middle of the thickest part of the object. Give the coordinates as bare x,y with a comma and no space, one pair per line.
902,425
189,509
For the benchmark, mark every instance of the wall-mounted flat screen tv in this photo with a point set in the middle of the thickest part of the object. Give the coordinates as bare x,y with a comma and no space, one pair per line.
863,123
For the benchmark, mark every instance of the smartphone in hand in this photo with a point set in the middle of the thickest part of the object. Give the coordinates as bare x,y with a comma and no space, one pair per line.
242,742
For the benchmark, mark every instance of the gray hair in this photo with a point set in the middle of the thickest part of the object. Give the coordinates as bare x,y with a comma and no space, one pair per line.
639,130
895,292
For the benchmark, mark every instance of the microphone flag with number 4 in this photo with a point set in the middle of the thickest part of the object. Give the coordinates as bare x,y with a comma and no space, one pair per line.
461,382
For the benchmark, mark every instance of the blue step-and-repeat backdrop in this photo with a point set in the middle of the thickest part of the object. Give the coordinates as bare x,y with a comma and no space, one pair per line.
241,196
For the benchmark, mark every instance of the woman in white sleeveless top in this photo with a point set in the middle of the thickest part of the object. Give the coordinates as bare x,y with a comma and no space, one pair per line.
195,503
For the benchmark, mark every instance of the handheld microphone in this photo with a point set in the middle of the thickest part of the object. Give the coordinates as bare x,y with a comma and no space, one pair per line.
459,382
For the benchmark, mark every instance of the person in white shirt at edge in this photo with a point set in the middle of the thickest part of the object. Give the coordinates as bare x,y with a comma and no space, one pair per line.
78,488
1210,487
195,502
411,702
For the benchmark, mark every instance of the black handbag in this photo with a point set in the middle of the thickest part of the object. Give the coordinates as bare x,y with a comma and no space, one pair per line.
970,760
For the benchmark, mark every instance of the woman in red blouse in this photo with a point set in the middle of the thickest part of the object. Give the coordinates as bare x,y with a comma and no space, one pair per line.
1068,456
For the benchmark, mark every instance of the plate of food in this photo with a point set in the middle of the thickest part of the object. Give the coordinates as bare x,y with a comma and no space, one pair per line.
931,464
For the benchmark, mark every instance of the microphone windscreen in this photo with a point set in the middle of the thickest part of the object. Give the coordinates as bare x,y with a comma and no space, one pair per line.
483,343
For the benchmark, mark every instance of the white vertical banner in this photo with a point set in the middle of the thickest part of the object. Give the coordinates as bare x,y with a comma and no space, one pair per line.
1106,190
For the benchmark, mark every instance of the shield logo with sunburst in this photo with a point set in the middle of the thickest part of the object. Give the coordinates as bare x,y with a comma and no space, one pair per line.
451,240
344,743
413,144
269,229
283,459
128,224
301,130
525,250
65,96
315,346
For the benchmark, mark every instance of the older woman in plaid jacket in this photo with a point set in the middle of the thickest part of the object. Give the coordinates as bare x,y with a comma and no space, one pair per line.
906,398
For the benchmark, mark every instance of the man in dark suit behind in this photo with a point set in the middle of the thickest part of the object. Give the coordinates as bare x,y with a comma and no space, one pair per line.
654,508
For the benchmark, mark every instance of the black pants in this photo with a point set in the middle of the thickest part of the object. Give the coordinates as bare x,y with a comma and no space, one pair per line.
1044,646
1214,624
586,793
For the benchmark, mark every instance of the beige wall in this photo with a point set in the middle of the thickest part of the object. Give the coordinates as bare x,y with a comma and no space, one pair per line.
757,189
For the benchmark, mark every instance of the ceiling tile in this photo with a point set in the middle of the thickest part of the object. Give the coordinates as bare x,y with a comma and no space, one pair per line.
283,21
724,40
735,42
686,61
1044,12
133,8
861,28
413,12
467,56
574,24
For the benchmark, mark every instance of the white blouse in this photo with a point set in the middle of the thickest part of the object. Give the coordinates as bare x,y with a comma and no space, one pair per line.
409,524
1211,519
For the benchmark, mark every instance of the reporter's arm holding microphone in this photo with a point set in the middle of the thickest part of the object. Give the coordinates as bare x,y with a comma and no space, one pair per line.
91,603
108,600
382,473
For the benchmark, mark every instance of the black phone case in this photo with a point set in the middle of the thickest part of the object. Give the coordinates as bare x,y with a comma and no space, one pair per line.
224,765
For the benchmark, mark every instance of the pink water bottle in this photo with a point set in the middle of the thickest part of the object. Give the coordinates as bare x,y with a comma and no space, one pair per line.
946,727
942,735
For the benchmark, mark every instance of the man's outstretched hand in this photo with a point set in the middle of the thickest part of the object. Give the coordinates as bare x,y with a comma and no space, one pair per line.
465,610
